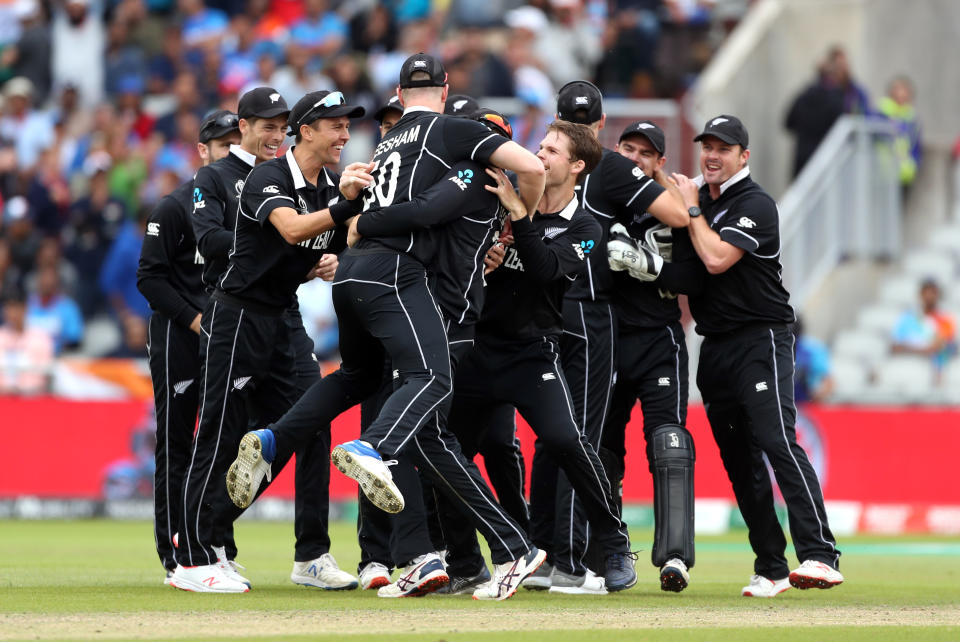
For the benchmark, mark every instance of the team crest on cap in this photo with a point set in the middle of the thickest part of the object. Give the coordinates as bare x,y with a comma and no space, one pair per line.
645,126
582,100
274,97
457,106
717,121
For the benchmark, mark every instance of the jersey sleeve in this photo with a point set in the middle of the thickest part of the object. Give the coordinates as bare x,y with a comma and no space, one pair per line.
753,226
214,240
685,274
563,256
157,255
625,185
454,195
265,189
468,139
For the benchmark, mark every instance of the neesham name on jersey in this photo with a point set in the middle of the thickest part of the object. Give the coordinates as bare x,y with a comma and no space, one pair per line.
409,136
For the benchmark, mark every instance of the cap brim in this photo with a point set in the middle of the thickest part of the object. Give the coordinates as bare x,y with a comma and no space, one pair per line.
350,111
218,132
381,113
639,132
730,140
273,112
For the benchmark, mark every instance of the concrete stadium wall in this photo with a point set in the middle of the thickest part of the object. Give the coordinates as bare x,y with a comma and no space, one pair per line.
772,55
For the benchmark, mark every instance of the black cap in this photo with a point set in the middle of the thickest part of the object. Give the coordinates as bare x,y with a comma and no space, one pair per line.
219,123
391,105
422,62
460,105
648,130
320,104
729,129
577,96
495,121
262,102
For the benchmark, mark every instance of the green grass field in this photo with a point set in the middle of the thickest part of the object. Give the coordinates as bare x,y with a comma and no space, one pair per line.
102,580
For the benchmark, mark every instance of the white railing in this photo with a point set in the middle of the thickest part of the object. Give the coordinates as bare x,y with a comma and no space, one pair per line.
844,204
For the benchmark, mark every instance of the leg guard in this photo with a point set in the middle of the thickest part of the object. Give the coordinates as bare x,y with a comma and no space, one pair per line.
673,456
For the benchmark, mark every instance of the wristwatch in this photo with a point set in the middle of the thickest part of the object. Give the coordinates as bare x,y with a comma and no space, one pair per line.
694,211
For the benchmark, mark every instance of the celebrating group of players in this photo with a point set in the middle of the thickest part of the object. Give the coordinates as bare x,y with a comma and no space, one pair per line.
472,280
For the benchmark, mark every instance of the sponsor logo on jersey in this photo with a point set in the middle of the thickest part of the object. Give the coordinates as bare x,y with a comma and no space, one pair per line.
271,189
198,202
663,381
746,222
409,136
761,386
181,386
587,246
578,250
240,382
462,179
153,229
548,376
638,173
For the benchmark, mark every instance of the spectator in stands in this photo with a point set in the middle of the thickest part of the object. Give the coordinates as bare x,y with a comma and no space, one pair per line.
897,106
30,56
188,100
118,276
20,232
929,331
486,73
78,42
817,108
298,78
26,352
203,28
568,46
321,31
10,275
812,379
124,60
30,129
373,30
50,310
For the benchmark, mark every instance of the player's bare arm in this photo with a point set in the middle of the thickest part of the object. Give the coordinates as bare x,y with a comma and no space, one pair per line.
528,168
295,228
670,217
717,255
508,197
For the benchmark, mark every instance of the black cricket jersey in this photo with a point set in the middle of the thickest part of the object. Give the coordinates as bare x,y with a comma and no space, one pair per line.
170,272
616,190
264,269
459,218
751,291
524,298
216,197
415,154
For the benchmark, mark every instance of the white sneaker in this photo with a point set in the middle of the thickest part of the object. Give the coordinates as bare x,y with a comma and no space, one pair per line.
540,579
230,567
323,573
812,574
424,575
589,584
374,575
210,578
760,586
358,460
507,576
674,576
166,579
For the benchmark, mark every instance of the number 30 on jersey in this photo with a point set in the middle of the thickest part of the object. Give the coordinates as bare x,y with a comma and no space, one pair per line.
385,188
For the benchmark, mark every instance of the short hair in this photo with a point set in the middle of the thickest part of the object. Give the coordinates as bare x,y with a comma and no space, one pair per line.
419,75
315,126
583,143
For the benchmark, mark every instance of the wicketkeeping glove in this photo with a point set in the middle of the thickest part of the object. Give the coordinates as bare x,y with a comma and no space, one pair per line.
660,239
624,253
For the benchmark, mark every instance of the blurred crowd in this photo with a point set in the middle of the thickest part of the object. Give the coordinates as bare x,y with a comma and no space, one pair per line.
100,102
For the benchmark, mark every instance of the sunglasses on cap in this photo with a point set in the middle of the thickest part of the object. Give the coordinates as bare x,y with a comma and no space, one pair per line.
226,122
333,99
497,121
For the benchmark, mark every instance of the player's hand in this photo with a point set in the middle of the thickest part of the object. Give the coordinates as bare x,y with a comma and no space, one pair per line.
355,177
505,192
326,267
493,258
195,324
688,190
353,236
625,254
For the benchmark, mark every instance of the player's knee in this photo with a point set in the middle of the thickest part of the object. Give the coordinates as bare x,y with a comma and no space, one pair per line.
560,441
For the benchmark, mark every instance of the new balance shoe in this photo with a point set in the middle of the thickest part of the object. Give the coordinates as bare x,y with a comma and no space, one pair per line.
210,578
620,573
358,460
507,576
423,575
761,586
374,575
812,574
257,451
539,580
323,573
588,584
230,567
467,585
674,576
